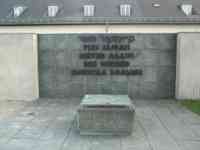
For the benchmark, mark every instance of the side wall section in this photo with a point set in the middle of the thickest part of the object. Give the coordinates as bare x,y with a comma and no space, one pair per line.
188,66
18,67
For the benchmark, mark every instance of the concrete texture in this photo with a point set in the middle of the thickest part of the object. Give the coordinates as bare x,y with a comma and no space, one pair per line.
188,72
18,63
134,28
105,115
49,124
59,54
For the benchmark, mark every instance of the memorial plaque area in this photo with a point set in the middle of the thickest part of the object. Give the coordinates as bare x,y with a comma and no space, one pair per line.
140,65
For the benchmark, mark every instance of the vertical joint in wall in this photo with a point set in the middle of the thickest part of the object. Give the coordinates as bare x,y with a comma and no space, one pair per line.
107,26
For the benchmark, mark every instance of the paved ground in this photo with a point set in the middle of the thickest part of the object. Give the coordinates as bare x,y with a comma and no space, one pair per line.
49,125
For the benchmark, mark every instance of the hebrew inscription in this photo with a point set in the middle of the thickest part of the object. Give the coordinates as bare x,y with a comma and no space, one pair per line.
106,55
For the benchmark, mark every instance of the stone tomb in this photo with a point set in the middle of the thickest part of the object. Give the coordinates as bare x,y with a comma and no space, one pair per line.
105,115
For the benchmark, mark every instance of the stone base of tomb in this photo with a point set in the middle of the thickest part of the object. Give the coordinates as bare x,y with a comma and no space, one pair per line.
105,115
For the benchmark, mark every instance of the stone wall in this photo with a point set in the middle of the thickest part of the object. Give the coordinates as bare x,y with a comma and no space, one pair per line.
18,67
59,54
188,66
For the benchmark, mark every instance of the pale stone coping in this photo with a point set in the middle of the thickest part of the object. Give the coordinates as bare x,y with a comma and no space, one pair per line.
135,28
106,100
35,53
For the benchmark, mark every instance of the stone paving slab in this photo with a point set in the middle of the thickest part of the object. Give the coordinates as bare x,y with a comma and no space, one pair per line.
157,135
191,145
106,143
19,144
138,140
74,141
49,124
173,124
183,114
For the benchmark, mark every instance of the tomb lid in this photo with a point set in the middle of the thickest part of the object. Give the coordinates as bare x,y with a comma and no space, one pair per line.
106,100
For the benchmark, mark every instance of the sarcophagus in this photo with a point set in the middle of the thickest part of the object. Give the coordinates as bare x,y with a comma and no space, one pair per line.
105,114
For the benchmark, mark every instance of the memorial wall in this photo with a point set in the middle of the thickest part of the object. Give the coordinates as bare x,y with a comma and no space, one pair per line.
71,65
140,65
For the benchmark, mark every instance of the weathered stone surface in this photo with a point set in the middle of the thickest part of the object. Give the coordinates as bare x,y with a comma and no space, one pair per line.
105,114
148,90
188,72
18,67
155,55
158,125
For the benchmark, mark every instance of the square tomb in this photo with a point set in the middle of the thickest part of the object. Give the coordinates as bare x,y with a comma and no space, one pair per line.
106,115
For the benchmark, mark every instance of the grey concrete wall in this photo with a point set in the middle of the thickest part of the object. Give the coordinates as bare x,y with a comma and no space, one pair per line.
18,67
188,66
58,55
